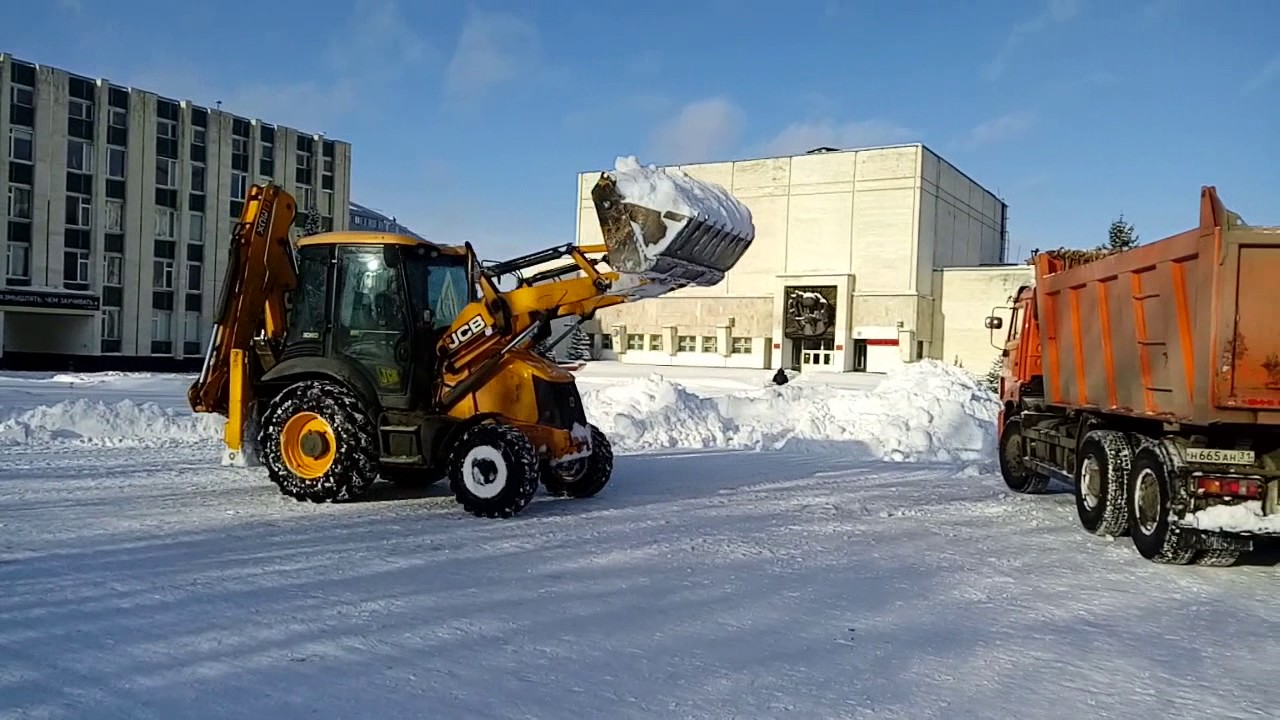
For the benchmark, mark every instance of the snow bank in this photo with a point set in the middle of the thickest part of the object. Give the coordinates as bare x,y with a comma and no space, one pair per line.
926,412
94,422
673,189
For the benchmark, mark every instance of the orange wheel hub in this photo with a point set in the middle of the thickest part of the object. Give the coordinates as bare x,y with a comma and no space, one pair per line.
308,445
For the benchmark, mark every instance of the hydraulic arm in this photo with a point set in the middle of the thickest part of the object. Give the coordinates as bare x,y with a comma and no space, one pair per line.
251,311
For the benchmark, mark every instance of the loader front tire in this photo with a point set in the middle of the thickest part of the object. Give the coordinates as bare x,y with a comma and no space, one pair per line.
318,443
493,470
586,477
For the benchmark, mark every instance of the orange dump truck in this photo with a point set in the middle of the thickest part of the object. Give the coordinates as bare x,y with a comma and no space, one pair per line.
1149,380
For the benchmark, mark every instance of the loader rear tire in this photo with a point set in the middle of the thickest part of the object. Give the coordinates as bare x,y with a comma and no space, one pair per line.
588,476
318,443
1017,475
1100,484
493,470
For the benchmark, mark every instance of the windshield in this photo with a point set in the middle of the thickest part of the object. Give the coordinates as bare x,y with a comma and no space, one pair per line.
440,284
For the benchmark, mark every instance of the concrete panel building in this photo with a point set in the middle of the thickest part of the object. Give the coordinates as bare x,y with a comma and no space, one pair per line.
854,251
120,205
362,217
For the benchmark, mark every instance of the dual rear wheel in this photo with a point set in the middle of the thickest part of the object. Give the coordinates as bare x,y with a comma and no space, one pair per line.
1118,490
319,444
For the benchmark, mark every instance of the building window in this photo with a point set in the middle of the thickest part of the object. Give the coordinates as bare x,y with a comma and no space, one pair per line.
267,151
709,344
606,341
197,178
635,342
79,155
162,274
655,341
240,146
116,117
741,346
19,202
166,173
195,276
166,223
116,165
191,327
687,343
80,109
18,260
167,129
308,200
326,202
304,160
197,136
161,325
75,267
195,228
239,186
113,269
22,95
111,323
79,211
114,219
21,145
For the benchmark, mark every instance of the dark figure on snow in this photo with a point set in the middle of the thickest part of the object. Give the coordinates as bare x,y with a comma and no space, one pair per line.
780,377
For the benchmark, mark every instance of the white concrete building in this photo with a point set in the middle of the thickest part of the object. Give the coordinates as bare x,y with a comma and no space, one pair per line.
863,259
120,205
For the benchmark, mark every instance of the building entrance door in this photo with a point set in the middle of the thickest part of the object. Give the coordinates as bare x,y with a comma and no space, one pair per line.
817,354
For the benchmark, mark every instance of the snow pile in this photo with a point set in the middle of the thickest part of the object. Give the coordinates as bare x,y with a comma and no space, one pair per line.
1244,517
94,422
672,189
926,412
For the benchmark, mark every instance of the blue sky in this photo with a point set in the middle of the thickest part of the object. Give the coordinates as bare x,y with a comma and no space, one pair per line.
470,119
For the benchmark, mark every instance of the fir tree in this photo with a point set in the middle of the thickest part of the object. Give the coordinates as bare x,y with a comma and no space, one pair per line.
579,345
543,348
1121,236
992,378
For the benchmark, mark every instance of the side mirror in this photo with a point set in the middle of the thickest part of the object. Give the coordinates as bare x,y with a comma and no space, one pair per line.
994,322
428,317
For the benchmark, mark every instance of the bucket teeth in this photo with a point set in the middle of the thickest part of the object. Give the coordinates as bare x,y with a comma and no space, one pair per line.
663,245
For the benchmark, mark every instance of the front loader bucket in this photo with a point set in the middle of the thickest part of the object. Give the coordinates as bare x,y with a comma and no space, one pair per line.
669,228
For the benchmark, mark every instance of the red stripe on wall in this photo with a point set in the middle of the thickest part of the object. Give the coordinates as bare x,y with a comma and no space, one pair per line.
883,341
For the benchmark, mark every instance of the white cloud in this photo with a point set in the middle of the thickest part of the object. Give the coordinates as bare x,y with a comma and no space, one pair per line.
1269,71
1055,12
702,130
800,137
1005,127
493,48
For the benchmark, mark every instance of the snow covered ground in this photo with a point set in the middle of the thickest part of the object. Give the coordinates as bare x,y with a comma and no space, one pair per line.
837,547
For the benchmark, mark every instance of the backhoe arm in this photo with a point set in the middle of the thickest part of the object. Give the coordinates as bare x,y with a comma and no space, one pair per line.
251,309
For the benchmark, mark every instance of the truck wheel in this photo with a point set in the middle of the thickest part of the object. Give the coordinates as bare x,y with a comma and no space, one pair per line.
1014,470
586,477
318,443
1222,557
1101,478
493,470
1149,493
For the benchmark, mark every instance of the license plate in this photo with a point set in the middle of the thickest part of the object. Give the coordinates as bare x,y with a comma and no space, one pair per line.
1214,456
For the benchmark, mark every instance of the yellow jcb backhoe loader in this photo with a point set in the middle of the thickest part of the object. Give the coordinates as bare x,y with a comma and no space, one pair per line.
358,355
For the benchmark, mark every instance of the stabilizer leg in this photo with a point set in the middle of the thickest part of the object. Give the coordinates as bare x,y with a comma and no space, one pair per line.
236,451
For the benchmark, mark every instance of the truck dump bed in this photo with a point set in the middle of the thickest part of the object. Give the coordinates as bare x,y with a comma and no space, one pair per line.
1181,329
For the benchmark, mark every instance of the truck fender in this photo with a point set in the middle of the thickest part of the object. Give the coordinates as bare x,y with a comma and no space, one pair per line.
302,368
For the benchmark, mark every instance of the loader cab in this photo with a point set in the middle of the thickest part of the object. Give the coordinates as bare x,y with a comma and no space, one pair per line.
378,304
